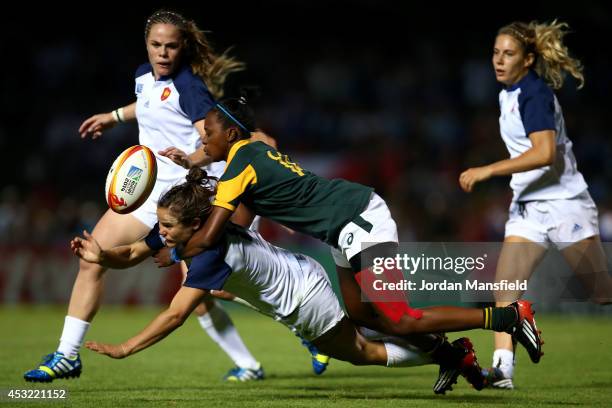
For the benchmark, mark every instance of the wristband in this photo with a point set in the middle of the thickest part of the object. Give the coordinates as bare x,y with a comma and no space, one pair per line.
118,115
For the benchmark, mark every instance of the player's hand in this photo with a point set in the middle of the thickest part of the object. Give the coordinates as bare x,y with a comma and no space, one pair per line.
259,136
470,177
111,350
86,248
96,124
177,156
162,258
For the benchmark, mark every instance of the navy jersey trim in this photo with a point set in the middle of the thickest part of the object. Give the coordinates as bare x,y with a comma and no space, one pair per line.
194,97
208,270
536,104
143,69
153,239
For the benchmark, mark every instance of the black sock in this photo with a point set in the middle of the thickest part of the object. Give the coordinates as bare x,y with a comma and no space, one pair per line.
499,319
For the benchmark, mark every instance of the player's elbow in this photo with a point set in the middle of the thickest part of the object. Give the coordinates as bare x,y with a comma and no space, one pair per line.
546,156
549,156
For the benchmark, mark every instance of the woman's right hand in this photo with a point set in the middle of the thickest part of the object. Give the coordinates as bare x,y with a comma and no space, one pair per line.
86,248
177,156
96,124
469,178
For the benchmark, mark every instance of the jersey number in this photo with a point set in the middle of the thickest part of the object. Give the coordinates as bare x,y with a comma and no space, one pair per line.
283,159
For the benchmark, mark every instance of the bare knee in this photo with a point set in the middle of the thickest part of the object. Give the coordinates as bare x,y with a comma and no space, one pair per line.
89,270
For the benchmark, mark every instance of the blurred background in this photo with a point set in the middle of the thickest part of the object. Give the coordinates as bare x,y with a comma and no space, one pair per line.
380,93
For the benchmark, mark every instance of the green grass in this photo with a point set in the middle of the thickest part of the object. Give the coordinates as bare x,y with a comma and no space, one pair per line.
186,368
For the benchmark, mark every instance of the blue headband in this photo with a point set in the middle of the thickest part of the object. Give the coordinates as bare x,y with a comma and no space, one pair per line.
229,115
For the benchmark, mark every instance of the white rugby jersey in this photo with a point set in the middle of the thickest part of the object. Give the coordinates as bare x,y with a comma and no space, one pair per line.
243,263
531,106
166,110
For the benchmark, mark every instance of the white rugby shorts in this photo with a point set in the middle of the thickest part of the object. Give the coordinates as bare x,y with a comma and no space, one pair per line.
319,310
560,222
378,227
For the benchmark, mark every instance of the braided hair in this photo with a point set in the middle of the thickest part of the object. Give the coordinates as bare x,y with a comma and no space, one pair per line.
237,113
191,199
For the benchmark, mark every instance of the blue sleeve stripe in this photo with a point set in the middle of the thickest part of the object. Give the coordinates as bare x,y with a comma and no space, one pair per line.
194,97
537,109
208,270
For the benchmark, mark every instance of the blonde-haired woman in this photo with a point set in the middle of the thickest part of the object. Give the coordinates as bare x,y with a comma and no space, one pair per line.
551,202
174,90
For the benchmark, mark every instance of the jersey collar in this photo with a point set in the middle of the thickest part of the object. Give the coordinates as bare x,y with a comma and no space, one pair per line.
181,68
531,75
235,148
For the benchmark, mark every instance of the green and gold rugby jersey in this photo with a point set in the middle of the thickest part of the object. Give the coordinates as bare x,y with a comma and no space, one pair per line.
274,187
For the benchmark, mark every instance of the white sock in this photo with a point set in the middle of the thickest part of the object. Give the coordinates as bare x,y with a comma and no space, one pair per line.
221,330
72,336
401,354
504,360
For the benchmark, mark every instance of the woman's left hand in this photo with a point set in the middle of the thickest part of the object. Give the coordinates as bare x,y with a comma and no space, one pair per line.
470,177
111,350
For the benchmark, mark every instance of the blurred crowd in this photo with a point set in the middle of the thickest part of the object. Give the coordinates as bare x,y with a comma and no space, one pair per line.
404,109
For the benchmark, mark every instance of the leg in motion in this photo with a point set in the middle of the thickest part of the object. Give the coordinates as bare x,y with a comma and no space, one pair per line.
112,230
518,259
219,326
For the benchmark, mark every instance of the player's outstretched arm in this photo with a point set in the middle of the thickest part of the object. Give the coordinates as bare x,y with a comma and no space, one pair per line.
196,159
124,256
184,302
95,125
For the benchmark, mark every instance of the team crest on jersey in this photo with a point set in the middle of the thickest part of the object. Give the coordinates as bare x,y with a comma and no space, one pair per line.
166,93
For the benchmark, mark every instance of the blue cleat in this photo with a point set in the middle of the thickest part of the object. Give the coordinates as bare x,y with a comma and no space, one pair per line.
238,374
54,366
319,361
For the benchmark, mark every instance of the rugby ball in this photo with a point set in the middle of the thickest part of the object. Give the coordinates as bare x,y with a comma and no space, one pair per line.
131,179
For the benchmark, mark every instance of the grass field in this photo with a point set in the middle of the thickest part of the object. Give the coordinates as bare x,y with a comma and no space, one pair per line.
186,368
